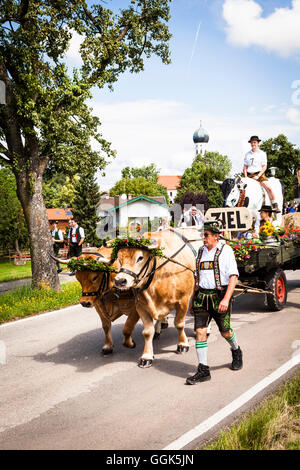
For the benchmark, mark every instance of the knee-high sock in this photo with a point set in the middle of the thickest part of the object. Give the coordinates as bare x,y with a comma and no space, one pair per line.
201,350
232,341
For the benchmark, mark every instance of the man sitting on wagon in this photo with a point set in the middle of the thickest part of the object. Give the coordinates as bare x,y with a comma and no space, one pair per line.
255,165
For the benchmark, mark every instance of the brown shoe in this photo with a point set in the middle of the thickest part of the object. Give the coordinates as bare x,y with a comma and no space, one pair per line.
275,208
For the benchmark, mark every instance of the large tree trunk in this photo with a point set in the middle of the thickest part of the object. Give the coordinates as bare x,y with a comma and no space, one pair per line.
29,187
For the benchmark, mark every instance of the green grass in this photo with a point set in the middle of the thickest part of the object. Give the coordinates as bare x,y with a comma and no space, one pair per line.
11,272
275,425
29,301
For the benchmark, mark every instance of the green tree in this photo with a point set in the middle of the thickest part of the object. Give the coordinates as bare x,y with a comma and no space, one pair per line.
13,231
149,172
85,202
59,191
139,186
46,122
199,178
283,155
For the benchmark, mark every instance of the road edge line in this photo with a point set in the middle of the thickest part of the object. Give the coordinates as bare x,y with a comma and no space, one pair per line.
216,418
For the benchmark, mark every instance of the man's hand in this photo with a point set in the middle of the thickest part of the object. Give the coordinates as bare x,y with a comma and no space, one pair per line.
223,306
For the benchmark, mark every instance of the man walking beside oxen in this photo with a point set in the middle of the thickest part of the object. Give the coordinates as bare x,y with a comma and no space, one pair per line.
216,276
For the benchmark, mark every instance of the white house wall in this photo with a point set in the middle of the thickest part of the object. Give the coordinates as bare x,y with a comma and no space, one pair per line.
141,209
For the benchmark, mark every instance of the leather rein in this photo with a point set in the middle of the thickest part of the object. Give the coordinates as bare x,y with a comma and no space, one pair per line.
150,275
103,284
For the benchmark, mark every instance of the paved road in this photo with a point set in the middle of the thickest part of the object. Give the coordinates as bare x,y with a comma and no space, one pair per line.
58,392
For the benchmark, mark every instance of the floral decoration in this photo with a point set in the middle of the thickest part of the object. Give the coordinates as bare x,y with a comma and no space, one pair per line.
141,243
290,234
266,230
242,251
82,264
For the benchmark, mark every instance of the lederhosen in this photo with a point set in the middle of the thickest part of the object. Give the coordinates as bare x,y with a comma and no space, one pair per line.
260,179
75,249
206,301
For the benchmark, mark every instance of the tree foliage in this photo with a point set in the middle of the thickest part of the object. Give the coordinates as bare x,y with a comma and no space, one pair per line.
283,155
85,202
13,229
149,172
199,178
59,191
191,199
139,186
46,121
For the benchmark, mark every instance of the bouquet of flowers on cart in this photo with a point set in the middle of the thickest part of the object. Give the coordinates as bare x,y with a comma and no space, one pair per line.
242,251
290,234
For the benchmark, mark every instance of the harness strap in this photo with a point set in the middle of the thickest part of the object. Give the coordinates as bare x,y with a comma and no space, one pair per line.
103,283
187,242
216,267
241,198
134,275
102,287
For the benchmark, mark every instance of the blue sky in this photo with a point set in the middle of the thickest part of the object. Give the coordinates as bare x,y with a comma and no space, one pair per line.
234,63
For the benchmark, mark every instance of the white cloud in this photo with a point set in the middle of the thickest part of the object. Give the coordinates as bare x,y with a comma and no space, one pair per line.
279,32
73,53
293,115
161,132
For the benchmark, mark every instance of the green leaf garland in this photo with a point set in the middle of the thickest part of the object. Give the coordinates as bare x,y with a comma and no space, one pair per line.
141,243
81,264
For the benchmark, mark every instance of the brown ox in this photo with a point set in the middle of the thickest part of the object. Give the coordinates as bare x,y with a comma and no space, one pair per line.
98,292
171,286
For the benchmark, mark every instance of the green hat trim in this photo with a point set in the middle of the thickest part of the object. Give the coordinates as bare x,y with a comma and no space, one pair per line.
213,227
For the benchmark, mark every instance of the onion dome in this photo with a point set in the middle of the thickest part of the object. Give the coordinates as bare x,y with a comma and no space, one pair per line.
200,135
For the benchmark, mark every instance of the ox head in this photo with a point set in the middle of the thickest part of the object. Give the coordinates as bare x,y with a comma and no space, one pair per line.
231,189
135,264
92,282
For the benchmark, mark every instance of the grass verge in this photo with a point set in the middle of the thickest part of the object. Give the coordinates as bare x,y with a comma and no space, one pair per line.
11,272
26,301
275,425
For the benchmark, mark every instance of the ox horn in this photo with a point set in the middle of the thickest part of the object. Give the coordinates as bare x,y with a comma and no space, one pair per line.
62,261
154,244
218,182
104,260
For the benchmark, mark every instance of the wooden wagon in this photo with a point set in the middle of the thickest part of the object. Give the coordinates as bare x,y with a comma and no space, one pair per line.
264,272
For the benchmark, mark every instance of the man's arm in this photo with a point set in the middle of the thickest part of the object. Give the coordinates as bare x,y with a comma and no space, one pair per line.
81,232
245,170
223,306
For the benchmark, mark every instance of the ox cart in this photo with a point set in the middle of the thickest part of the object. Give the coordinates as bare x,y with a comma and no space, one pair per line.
264,272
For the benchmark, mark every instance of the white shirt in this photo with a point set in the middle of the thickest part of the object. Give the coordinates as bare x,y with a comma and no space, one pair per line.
81,233
227,265
60,235
255,160
188,218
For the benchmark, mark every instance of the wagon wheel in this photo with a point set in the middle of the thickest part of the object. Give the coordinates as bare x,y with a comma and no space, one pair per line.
278,285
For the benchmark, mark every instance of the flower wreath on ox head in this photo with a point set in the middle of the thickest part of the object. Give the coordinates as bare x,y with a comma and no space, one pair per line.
88,264
84,264
142,243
